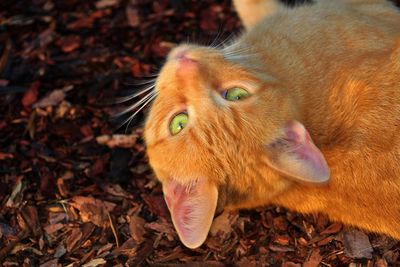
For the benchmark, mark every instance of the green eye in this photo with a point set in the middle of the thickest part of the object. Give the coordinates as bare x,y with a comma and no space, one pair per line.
178,123
235,94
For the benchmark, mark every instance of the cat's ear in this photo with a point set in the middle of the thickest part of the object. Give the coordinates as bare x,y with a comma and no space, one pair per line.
294,154
192,210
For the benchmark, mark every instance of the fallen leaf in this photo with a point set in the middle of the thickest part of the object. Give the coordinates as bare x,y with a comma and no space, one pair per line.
5,55
132,15
4,156
136,228
16,196
117,190
60,251
332,229
314,259
63,109
52,228
117,140
325,241
86,130
50,263
73,238
290,264
91,210
31,94
105,249
222,225
70,43
95,263
277,248
54,98
282,240
128,248
164,227
56,217
280,223
106,3
356,244
156,205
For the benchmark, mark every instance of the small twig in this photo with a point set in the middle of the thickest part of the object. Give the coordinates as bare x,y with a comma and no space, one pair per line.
113,229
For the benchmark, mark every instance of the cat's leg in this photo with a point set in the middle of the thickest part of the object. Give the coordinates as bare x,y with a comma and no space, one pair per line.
252,11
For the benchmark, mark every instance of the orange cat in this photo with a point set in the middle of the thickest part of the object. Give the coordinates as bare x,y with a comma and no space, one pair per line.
302,111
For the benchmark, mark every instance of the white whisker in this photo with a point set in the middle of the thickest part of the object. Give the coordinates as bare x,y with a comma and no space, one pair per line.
215,41
228,39
130,97
144,82
129,120
144,99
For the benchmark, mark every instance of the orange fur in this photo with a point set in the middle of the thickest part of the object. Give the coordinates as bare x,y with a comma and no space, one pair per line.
334,66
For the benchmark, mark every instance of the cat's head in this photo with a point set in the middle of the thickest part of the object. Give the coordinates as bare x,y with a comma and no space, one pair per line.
221,134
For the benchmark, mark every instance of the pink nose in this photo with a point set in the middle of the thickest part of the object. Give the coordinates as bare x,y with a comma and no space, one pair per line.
187,66
181,54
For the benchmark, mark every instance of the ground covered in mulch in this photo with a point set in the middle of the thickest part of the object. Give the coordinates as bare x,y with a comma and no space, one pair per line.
74,193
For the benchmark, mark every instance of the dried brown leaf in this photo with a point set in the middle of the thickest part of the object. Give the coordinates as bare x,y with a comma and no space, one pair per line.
16,196
156,205
70,43
314,259
117,190
60,251
282,240
4,156
132,15
222,225
31,94
95,263
73,238
332,229
105,249
107,3
290,264
52,228
356,244
91,210
278,248
128,248
136,228
50,263
117,140
54,98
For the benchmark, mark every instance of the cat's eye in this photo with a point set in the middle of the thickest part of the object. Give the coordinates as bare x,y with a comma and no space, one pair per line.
178,122
235,94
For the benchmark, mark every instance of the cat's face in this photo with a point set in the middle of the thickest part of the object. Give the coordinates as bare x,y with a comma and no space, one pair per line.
215,135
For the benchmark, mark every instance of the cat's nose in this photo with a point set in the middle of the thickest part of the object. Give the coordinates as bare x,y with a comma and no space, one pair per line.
187,65
181,53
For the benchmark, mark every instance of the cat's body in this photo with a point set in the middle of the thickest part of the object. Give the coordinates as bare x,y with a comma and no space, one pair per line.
333,66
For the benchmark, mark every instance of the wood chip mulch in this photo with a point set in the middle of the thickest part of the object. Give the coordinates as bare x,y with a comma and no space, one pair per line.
75,192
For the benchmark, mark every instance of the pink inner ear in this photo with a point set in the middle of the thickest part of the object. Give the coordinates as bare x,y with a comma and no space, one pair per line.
306,149
297,156
192,210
